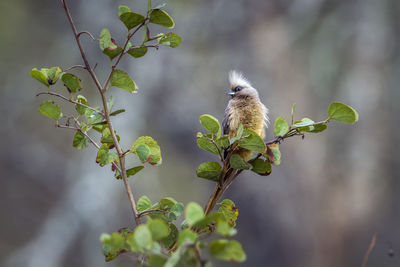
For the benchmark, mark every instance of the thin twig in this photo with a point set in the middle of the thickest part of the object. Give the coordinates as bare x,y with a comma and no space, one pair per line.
88,33
69,100
369,250
74,67
218,149
106,112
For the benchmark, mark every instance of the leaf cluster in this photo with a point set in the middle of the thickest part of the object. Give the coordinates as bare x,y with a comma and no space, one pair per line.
162,243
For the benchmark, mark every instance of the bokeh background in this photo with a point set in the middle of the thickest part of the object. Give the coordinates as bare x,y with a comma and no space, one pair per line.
320,207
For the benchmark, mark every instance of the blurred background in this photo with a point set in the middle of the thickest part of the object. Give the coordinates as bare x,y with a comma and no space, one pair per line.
320,207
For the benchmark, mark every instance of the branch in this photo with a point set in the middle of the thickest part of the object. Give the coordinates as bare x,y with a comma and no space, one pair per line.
69,100
106,113
369,250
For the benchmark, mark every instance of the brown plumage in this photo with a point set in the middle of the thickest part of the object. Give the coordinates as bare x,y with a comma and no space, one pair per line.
245,108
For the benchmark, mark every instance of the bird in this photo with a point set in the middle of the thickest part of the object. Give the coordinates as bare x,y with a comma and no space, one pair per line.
244,107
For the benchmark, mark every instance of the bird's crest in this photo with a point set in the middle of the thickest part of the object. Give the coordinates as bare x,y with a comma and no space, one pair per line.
236,78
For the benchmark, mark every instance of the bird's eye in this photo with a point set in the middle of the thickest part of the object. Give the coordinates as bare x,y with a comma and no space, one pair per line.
238,88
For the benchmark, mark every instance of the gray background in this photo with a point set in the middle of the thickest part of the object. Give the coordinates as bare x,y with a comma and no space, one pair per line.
320,207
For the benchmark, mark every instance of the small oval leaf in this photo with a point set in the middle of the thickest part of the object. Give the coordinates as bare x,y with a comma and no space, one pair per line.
121,79
210,123
210,170
161,17
50,110
170,39
281,126
343,113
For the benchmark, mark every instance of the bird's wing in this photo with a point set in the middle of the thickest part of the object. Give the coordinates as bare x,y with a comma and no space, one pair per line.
225,122
225,126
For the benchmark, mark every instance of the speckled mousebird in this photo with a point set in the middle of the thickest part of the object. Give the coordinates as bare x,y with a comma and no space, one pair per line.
245,108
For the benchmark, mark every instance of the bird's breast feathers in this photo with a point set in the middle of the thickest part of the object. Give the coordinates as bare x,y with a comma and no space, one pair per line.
252,114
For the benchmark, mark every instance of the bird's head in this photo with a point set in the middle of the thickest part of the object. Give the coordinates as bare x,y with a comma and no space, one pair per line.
240,86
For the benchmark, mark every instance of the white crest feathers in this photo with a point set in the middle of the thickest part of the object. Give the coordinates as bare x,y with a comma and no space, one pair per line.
236,78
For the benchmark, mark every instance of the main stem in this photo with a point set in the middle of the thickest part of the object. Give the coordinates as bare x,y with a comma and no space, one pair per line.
106,113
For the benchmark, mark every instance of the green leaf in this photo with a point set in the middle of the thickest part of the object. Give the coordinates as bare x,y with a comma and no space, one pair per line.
207,145
228,209
137,52
130,19
177,209
40,76
94,117
155,152
167,203
80,141
210,123
237,162
80,109
115,113
113,245
223,228
170,240
292,113
252,141
53,74
239,132
105,39
319,128
158,228
160,17
274,154
223,141
143,237
156,260
104,156
71,82
193,213
187,235
160,6
261,166
143,204
343,113
131,171
123,9
170,39
228,250
210,170
281,126
173,259
50,110
134,170
143,153
113,51
305,122
121,79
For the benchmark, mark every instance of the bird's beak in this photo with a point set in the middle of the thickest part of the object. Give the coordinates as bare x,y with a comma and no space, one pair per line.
230,92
